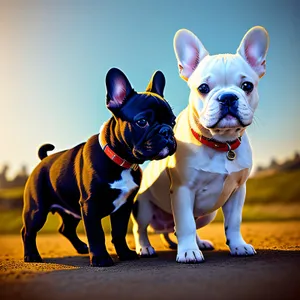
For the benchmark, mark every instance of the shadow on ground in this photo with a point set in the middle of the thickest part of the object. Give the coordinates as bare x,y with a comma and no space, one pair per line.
168,258
271,274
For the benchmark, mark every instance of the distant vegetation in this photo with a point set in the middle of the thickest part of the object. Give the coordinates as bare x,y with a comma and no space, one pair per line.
18,181
273,193
11,191
275,167
280,187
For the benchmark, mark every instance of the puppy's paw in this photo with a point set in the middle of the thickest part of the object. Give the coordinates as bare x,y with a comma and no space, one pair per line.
146,252
205,245
128,255
242,250
190,257
33,258
101,261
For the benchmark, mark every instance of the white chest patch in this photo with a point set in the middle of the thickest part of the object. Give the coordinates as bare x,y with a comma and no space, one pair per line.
126,185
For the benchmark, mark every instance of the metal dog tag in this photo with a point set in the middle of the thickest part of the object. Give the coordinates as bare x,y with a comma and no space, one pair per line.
231,155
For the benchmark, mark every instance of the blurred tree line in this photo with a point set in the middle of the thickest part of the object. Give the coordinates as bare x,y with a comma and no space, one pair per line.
18,181
259,187
11,189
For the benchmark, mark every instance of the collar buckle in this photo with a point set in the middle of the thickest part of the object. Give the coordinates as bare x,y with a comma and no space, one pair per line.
134,167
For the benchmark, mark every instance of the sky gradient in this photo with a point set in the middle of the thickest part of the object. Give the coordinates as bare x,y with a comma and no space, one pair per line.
54,56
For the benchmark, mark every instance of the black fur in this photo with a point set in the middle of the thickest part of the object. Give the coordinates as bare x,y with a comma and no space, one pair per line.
77,182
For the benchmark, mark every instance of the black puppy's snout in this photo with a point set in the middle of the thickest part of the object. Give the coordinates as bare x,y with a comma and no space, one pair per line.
227,99
166,132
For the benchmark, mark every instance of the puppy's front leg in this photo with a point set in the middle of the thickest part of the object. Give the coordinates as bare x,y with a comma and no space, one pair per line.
182,200
232,211
99,256
119,223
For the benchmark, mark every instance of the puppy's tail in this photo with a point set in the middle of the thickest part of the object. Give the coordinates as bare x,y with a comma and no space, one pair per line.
42,153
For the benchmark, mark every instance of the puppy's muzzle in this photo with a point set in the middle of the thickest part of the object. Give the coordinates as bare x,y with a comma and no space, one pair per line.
167,133
228,107
167,141
159,143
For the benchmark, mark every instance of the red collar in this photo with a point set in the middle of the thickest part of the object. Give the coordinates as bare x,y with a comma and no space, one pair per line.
117,159
216,145
113,155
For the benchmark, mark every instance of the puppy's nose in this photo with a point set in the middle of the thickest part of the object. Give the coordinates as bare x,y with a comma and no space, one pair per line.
227,98
166,132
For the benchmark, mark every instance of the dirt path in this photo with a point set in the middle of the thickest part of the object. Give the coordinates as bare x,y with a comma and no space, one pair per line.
273,273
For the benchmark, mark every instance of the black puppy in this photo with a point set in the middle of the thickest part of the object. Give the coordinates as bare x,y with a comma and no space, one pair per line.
100,177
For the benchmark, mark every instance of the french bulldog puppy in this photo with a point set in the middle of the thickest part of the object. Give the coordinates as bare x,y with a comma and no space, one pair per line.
213,158
101,176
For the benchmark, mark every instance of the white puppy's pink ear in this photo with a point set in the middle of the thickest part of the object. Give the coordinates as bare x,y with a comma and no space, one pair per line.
189,52
254,48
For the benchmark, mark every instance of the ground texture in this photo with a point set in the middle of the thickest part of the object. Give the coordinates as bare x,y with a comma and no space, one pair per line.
273,273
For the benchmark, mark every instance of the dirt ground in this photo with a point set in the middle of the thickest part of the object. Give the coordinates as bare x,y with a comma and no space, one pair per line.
273,273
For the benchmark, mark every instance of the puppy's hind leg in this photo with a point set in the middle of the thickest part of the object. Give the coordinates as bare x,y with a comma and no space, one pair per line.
201,222
68,229
168,243
142,215
34,218
202,244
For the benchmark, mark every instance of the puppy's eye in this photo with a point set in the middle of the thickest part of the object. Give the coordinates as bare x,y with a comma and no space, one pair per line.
142,123
247,86
173,123
204,88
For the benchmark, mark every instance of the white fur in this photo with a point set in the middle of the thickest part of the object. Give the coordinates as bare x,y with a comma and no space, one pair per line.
65,210
126,185
197,180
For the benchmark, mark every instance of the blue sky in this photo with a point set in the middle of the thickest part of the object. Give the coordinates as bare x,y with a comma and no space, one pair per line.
54,56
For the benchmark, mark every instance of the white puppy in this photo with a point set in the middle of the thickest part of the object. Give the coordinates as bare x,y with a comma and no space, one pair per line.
213,158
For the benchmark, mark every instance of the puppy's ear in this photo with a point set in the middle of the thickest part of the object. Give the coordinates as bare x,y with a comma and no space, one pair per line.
157,84
254,48
189,52
117,87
